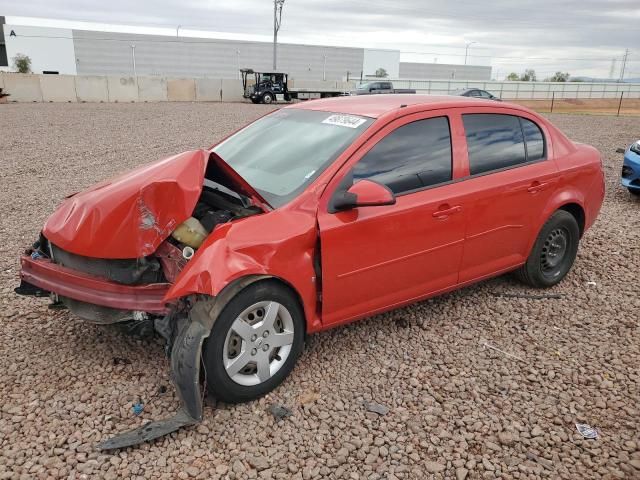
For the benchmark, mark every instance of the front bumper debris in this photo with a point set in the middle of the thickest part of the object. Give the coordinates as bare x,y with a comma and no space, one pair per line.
186,352
185,369
51,277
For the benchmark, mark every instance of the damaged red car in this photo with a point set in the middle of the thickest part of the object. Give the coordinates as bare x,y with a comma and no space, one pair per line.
315,215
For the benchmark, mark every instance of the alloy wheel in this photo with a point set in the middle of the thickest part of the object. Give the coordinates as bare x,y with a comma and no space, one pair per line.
258,343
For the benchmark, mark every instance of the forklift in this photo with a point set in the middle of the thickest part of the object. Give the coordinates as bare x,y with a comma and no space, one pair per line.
268,87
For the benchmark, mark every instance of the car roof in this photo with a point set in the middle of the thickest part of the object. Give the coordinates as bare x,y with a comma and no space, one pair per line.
375,106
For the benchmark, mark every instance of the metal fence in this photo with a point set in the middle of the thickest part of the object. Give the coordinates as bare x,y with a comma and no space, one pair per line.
527,90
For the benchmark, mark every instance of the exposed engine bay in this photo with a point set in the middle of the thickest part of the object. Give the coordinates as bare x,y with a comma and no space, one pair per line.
217,204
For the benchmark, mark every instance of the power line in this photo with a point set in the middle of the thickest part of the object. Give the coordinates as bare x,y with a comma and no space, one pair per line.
624,64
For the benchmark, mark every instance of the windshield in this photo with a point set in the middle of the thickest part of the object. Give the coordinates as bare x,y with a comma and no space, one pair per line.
282,153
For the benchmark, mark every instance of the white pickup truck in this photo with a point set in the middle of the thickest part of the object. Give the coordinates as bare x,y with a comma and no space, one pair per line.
371,88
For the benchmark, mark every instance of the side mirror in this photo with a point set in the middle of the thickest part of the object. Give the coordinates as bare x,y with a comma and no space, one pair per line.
363,193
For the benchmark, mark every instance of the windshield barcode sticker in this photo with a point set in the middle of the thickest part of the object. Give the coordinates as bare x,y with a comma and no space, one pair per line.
349,121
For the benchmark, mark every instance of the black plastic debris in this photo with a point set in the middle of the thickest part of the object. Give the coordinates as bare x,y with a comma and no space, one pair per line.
121,361
279,412
528,296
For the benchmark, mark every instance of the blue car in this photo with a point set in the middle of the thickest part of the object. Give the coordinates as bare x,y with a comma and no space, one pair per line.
631,168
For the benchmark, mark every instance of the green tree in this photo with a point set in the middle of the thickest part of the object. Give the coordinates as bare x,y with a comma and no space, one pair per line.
513,77
559,77
22,63
381,73
529,75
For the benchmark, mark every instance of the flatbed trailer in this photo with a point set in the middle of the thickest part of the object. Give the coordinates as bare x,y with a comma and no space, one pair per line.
269,87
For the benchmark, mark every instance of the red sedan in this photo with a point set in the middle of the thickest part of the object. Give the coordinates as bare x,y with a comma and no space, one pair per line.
314,216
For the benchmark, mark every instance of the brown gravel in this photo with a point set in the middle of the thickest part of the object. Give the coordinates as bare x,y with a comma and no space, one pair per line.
457,408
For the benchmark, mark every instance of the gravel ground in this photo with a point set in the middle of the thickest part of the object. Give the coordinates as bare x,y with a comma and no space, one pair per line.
477,386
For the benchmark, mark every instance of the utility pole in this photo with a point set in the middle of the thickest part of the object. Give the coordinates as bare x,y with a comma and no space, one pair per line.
324,67
466,51
613,68
133,58
624,64
277,21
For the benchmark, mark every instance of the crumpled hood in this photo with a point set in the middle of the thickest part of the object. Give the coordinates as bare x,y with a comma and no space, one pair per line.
131,215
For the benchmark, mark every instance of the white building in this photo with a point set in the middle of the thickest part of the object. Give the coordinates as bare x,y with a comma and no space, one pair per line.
87,52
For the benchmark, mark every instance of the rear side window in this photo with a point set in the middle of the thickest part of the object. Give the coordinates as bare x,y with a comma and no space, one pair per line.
413,156
494,141
534,140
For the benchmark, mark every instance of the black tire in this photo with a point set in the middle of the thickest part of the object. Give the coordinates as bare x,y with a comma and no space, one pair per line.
219,383
267,98
634,191
255,100
553,253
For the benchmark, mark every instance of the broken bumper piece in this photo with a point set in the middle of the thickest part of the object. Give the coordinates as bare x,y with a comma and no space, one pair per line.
48,276
185,369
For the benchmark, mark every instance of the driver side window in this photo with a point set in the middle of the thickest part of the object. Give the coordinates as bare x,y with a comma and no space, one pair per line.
414,156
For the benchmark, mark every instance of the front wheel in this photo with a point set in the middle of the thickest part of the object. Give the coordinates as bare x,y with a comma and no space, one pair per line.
553,253
267,98
254,343
634,191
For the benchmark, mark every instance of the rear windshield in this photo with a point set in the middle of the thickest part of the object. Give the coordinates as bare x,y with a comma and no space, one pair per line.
282,153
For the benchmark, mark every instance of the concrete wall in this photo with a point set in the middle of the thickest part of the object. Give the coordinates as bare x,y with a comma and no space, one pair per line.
58,88
22,88
208,89
152,89
49,48
181,89
94,88
122,89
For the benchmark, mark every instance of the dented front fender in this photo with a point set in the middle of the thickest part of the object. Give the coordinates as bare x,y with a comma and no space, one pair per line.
278,244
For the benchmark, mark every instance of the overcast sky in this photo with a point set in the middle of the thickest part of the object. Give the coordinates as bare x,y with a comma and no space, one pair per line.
578,36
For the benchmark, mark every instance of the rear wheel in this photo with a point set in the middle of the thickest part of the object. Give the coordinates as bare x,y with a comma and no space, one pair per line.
553,253
254,343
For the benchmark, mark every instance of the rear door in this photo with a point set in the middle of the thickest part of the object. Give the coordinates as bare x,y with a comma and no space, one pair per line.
374,258
511,178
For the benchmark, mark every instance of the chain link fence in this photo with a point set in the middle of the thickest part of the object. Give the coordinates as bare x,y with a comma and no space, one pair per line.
527,90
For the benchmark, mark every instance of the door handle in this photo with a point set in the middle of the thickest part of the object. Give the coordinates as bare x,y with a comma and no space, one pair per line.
446,211
537,187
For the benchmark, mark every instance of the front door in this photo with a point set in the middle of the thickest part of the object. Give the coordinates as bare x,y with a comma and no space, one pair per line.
375,258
